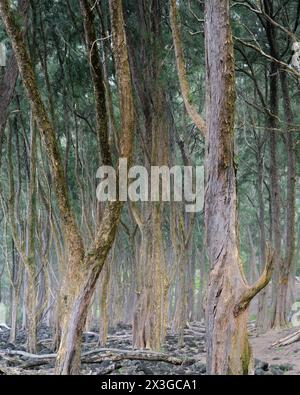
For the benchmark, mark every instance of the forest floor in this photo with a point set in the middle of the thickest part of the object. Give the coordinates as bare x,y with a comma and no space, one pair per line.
118,357
287,356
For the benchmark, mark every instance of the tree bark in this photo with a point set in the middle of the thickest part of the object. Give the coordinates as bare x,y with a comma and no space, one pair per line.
286,264
277,287
262,321
149,311
229,295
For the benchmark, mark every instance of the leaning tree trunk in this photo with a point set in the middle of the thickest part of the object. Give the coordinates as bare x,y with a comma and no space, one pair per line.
84,267
82,288
229,295
9,80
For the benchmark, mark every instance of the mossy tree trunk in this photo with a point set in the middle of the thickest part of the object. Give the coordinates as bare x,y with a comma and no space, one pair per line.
149,311
229,295
83,266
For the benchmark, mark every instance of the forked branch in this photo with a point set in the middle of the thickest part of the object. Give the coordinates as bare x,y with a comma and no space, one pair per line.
253,290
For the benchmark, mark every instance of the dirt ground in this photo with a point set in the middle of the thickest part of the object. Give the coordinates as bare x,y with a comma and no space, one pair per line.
290,354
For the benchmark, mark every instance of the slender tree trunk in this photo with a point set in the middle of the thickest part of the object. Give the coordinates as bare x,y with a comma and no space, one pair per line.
278,285
68,360
262,321
286,264
31,290
149,321
104,298
253,272
202,286
16,281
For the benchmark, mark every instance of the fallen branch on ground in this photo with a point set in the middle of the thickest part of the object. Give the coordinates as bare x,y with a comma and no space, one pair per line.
17,371
110,337
292,338
28,355
110,354
118,355
4,326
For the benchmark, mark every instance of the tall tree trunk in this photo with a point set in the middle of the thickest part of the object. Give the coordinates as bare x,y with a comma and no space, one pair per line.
68,360
277,286
202,285
278,283
229,295
286,264
104,299
148,321
262,321
16,282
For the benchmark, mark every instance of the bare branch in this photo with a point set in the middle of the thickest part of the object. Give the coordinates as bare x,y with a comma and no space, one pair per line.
284,65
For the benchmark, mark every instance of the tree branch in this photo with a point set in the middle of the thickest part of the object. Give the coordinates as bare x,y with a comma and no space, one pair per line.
184,84
284,65
252,291
45,127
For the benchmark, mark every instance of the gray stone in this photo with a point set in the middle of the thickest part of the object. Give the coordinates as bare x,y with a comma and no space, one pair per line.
261,365
286,367
276,371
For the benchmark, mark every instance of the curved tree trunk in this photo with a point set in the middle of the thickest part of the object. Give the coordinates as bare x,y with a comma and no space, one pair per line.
68,358
83,267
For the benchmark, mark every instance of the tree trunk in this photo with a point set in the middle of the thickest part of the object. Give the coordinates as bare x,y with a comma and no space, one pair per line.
262,321
104,297
228,296
9,80
286,264
278,286
16,281
149,321
68,358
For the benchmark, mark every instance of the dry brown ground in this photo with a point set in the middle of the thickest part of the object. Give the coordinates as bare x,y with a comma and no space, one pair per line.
263,350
